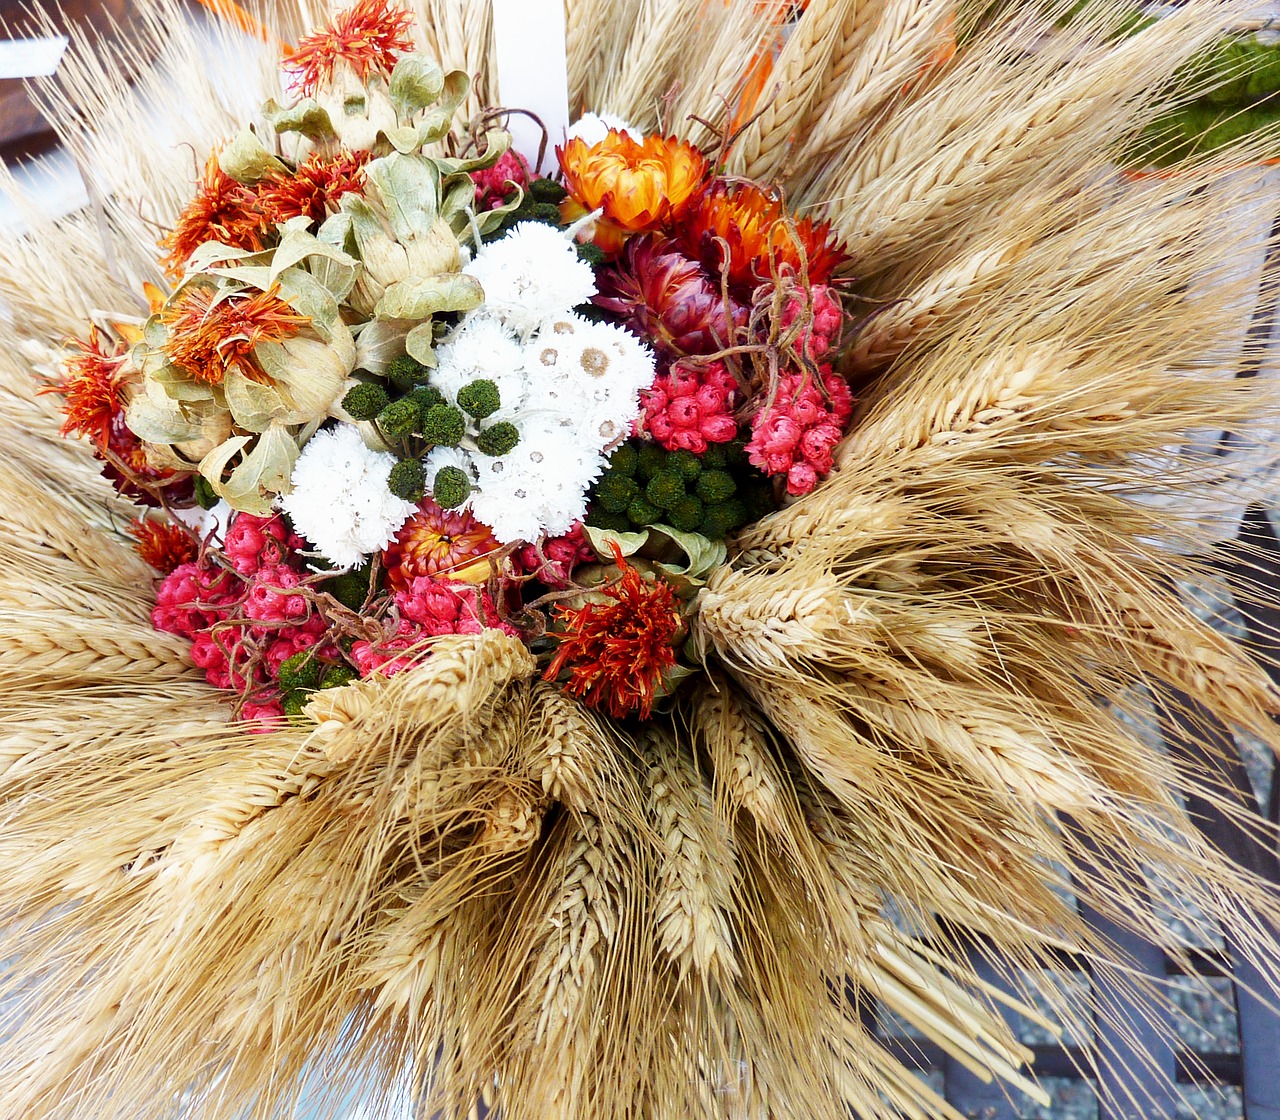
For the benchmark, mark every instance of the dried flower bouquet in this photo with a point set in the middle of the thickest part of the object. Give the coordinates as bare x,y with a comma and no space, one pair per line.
508,636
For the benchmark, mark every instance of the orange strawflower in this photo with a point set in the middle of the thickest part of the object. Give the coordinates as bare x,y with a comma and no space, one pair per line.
314,188
165,545
210,339
222,210
640,186
442,544
618,652
367,35
755,228
92,386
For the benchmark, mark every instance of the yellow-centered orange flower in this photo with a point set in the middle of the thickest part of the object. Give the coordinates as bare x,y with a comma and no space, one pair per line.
640,185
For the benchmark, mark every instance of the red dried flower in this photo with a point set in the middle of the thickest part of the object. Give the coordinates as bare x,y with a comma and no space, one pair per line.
314,188
209,339
618,652
92,387
755,228
368,35
668,299
222,210
165,545
446,544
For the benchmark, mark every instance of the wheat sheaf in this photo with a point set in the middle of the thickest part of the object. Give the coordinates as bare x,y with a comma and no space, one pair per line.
460,885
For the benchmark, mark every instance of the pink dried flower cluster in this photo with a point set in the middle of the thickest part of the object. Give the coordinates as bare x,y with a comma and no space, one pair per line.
493,184
821,336
691,406
559,557
796,435
243,624
427,608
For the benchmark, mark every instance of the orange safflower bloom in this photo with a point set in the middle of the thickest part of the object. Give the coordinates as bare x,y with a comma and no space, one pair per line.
618,652
93,382
165,545
442,544
640,186
314,188
222,210
209,339
368,35
752,228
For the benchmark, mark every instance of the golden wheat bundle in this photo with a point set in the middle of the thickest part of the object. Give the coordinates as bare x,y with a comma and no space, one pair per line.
567,639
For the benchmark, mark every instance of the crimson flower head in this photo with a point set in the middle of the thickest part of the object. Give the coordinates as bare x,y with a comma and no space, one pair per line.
440,544
617,652
668,299
368,35
92,387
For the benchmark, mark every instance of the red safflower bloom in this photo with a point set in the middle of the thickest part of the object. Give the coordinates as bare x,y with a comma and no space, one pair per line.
442,544
94,378
222,210
756,228
640,185
210,339
368,35
617,652
165,545
314,188
668,299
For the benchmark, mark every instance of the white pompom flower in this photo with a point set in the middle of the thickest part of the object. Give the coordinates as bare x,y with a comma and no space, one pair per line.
340,501
482,348
530,275
540,486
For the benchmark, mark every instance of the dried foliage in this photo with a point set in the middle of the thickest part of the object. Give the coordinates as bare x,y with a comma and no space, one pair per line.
460,884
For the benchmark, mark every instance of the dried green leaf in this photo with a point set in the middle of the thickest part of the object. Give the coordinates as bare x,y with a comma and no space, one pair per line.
420,296
246,160
415,84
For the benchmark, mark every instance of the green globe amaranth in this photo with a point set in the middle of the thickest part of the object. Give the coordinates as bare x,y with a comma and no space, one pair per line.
399,419
649,461
599,518
479,398
444,425
723,518
715,486
295,701
499,438
616,491
426,397
405,372
451,487
408,480
685,464
664,489
351,589
625,460
642,512
338,675
365,401
686,514
302,670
